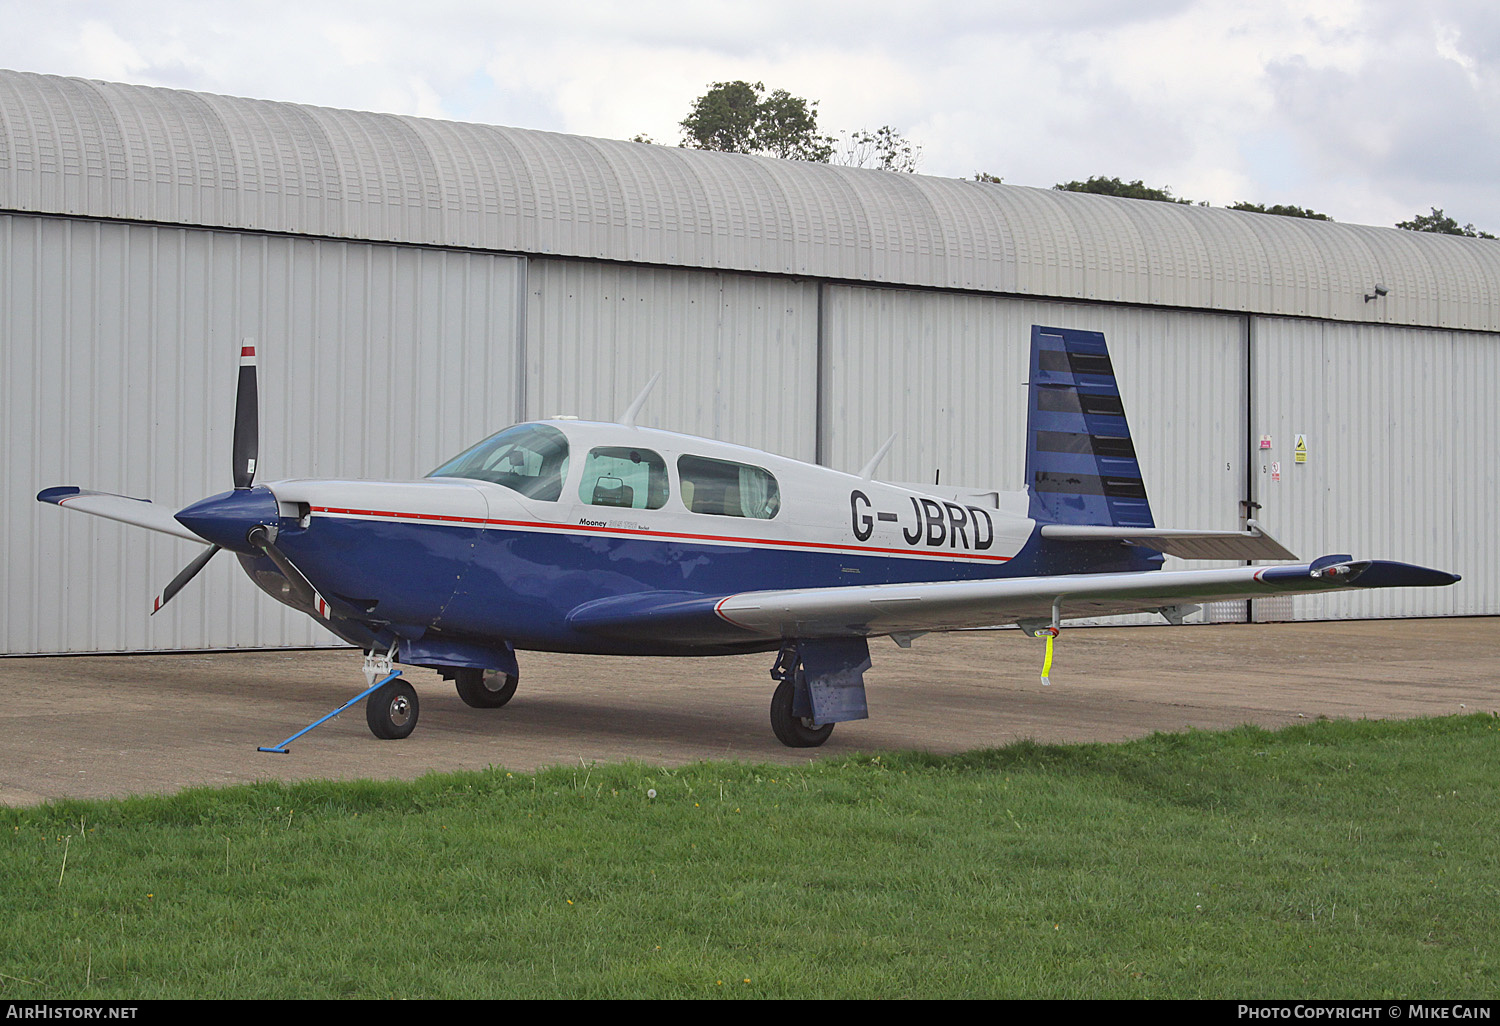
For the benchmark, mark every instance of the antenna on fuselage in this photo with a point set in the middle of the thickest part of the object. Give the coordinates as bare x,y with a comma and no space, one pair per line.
627,419
869,470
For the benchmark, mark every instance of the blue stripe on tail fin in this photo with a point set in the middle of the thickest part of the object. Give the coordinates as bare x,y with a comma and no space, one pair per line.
1081,466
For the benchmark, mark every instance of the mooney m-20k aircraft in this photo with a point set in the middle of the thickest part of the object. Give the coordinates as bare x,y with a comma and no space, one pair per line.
572,536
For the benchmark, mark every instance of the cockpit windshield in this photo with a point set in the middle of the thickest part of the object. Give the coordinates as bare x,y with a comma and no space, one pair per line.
529,458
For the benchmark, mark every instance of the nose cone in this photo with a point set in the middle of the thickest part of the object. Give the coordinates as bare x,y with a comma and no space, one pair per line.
226,518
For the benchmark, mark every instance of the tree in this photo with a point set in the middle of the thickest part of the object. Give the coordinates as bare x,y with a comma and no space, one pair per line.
737,117
1114,187
1442,224
1281,209
884,148
985,176
787,127
724,118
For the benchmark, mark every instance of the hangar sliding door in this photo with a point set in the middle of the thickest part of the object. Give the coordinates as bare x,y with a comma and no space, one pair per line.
120,353
1401,457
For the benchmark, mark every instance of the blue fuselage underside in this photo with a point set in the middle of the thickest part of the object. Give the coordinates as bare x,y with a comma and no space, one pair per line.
489,584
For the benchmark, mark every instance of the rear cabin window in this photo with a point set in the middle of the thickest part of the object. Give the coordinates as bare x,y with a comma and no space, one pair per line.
529,458
622,476
727,489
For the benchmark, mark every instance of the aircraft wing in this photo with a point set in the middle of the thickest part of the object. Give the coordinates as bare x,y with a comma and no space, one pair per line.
875,610
139,512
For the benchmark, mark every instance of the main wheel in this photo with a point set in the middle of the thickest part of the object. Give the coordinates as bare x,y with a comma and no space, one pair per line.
485,689
391,712
794,731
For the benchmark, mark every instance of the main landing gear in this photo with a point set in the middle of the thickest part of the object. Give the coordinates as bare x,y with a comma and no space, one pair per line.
791,706
484,689
820,682
792,730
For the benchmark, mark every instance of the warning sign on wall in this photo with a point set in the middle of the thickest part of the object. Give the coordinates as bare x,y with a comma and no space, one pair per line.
1300,449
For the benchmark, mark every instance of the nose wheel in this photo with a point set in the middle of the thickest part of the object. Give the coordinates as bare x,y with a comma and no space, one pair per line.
392,711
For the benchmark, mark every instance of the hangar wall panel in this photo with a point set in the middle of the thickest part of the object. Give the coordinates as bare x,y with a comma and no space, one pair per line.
117,372
1403,457
949,373
737,354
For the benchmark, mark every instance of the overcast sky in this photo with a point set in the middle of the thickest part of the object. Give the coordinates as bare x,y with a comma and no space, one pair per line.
1367,110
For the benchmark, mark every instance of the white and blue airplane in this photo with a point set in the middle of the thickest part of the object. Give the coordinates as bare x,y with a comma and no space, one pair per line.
573,536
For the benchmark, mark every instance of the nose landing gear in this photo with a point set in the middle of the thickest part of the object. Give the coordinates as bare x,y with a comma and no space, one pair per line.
392,709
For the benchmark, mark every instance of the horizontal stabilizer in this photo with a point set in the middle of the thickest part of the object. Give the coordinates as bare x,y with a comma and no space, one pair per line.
1252,544
137,512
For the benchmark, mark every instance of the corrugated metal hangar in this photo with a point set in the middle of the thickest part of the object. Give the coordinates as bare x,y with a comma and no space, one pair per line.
415,285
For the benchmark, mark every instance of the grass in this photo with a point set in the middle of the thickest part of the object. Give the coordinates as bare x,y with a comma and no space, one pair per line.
1336,859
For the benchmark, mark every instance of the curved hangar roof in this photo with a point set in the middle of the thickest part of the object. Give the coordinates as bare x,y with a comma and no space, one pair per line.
96,149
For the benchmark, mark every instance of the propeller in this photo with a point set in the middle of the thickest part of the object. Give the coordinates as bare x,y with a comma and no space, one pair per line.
246,449
264,538
188,573
246,419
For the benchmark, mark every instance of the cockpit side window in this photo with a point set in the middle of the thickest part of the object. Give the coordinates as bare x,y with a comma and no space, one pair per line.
622,476
529,458
728,489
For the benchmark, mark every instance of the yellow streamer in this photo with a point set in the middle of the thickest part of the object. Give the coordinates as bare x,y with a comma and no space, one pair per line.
1049,633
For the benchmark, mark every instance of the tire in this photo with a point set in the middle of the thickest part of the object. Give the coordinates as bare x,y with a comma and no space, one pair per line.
794,731
485,689
392,711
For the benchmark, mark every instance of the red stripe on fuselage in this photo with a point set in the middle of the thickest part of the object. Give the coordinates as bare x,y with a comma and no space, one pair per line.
584,528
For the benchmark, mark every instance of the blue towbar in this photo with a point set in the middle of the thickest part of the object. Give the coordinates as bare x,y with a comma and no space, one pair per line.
281,749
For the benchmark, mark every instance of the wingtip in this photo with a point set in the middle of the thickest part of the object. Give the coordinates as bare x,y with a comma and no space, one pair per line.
57,494
1390,574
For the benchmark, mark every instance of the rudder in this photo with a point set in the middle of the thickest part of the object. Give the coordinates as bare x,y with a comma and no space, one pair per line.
1081,466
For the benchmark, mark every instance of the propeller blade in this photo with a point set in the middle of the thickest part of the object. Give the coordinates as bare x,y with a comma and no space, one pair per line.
180,581
246,418
302,589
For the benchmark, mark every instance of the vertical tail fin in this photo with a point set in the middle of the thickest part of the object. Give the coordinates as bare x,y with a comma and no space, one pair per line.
1080,462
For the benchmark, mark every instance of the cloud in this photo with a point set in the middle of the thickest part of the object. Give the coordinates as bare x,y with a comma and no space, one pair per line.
1367,109
1418,113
